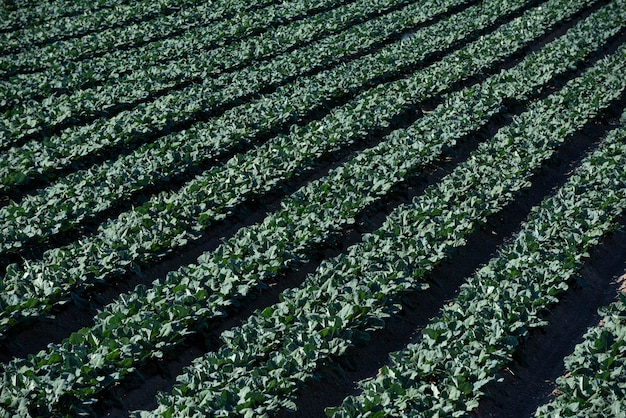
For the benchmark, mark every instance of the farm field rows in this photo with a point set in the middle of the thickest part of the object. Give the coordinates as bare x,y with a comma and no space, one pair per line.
336,208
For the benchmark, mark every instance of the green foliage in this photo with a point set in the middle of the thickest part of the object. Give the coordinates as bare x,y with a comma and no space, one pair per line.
24,14
28,118
273,356
475,337
595,382
225,24
88,192
262,363
132,23
140,236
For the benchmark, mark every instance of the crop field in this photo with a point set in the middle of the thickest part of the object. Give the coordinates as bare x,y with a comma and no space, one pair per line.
342,208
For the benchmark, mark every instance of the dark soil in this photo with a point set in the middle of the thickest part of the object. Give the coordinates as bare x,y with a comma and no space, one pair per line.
527,382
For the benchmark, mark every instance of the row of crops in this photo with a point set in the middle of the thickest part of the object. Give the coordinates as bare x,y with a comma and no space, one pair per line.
134,132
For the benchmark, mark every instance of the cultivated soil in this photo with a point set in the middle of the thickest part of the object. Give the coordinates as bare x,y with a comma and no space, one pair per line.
525,384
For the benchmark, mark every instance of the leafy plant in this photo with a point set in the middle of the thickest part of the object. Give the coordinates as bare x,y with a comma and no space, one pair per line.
130,330
594,384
